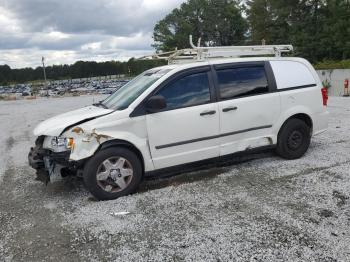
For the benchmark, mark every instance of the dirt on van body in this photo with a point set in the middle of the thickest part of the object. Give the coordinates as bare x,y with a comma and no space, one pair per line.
256,208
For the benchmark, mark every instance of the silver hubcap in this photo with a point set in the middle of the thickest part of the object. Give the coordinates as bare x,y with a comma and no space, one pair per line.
114,174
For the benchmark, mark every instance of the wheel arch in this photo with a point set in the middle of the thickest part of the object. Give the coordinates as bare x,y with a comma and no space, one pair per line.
301,116
125,144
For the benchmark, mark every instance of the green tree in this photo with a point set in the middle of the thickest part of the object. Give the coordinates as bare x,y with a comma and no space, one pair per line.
307,29
216,22
259,16
318,29
336,34
271,20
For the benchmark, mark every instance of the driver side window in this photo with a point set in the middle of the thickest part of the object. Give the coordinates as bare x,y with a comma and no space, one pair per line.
190,90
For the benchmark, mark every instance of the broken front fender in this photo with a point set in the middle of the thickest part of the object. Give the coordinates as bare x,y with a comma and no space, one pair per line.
89,137
85,142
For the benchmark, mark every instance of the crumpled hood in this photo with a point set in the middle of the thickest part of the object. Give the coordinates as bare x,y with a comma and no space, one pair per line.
55,125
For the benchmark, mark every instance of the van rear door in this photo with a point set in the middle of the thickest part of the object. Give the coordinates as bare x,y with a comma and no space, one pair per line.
248,107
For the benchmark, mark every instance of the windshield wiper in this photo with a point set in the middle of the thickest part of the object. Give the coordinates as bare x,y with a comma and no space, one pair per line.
100,104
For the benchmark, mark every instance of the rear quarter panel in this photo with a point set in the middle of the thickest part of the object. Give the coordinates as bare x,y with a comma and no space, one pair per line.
300,92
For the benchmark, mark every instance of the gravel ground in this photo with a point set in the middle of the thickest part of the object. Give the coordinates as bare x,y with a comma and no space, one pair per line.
256,208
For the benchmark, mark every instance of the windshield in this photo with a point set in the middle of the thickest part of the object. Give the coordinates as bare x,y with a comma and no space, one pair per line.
128,93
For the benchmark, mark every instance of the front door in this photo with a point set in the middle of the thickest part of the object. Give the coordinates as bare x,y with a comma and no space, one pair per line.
187,130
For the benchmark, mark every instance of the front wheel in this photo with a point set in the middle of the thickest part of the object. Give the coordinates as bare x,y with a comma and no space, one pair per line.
112,173
293,139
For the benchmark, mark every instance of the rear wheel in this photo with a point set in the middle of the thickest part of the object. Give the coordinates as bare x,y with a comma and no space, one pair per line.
112,173
293,139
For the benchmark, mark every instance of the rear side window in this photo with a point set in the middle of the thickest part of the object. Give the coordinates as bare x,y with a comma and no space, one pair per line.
188,91
242,81
291,74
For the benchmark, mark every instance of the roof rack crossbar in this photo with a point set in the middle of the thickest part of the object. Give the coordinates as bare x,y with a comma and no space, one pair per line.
198,53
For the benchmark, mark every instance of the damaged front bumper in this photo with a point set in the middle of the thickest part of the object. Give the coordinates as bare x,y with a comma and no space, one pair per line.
47,162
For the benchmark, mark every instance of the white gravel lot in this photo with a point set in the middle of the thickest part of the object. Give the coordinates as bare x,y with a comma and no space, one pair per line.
255,208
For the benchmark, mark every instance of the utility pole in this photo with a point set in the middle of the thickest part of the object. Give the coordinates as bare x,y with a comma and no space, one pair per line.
43,61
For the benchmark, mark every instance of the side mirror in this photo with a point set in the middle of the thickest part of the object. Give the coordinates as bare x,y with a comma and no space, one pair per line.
155,104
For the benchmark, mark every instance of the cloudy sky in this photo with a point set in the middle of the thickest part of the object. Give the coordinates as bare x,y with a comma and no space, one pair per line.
64,31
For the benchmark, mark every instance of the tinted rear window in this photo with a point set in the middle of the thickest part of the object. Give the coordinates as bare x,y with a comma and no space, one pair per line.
243,81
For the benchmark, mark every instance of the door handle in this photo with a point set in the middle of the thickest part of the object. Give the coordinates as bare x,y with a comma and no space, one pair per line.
228,109
205,113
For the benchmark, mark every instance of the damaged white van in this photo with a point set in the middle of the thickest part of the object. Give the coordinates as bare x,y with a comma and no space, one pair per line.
184,113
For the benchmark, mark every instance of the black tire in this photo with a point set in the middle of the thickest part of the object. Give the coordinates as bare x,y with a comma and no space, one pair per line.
293,139
92,167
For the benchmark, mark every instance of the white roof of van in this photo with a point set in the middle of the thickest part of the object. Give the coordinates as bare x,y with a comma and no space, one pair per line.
231,60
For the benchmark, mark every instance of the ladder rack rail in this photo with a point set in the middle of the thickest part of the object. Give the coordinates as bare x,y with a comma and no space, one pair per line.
198,53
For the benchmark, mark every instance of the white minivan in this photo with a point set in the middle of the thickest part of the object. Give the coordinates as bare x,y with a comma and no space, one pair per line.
180,114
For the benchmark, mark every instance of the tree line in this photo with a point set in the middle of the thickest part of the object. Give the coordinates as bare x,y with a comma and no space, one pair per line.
80,69
319,30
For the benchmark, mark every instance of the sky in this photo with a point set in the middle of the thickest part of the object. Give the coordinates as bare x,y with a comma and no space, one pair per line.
65,31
